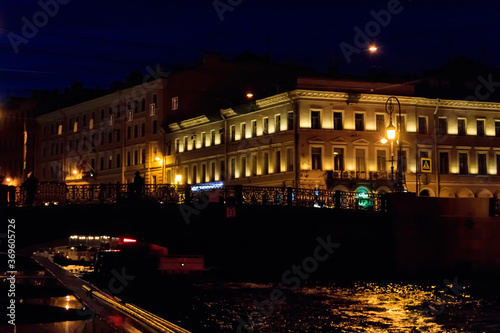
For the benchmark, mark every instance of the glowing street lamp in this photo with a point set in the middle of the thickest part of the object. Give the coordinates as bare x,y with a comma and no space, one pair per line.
391,135
391,131
372,49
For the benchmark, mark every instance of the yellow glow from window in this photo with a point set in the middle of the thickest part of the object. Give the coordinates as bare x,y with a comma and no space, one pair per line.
178,178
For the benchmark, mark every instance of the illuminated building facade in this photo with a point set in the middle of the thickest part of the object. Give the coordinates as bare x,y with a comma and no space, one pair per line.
104,140
313,138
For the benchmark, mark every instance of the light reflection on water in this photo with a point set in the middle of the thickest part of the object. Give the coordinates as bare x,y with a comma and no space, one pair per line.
363,307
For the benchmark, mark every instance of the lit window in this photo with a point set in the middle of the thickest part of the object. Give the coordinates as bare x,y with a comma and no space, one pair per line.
175,103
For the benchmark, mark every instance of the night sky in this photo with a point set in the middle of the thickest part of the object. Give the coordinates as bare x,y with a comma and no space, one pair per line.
98,42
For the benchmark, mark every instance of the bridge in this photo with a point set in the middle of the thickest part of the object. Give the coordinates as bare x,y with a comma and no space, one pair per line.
52,193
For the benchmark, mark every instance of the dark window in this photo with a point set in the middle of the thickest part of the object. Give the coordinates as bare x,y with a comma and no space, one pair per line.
110,163
401,121
212,171
422,125
143,104
337,121
380,122
195,175
254,165
360,160
185,143
338,159
243,131
359,121
102,114
155,127
136,157
497,129
143,129
463,164
277,123
481,164
289,159
480,127
316,158
136,131
442,126
381,160
289,121
118,160
118,136
118,112
110,137
243,170
233,133
143,156
232,168
222,170
102,163
203,173
221,135
444,163
277,166
403,160
136,106
315,120
265,127
265,165
498,164
203,140
129,132
461,127
254,128
212,138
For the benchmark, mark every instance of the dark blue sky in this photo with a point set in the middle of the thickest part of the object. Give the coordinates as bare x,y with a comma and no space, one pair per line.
98,42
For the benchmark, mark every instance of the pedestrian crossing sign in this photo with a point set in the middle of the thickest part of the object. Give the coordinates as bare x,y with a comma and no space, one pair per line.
425,165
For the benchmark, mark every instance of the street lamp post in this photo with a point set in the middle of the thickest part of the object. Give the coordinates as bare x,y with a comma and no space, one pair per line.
391,135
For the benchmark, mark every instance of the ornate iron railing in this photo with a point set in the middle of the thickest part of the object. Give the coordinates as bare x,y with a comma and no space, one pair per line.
61,194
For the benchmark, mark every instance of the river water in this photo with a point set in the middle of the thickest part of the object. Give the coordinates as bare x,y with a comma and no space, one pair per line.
355,307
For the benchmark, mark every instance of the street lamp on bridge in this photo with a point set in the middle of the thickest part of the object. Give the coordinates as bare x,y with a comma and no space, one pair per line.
391,135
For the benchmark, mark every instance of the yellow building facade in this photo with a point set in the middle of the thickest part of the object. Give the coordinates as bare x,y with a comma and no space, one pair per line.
326,139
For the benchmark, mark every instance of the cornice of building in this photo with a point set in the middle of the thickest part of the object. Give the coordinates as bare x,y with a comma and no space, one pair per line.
354,98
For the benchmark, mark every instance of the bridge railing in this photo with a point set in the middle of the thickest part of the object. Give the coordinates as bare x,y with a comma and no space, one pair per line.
60,193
